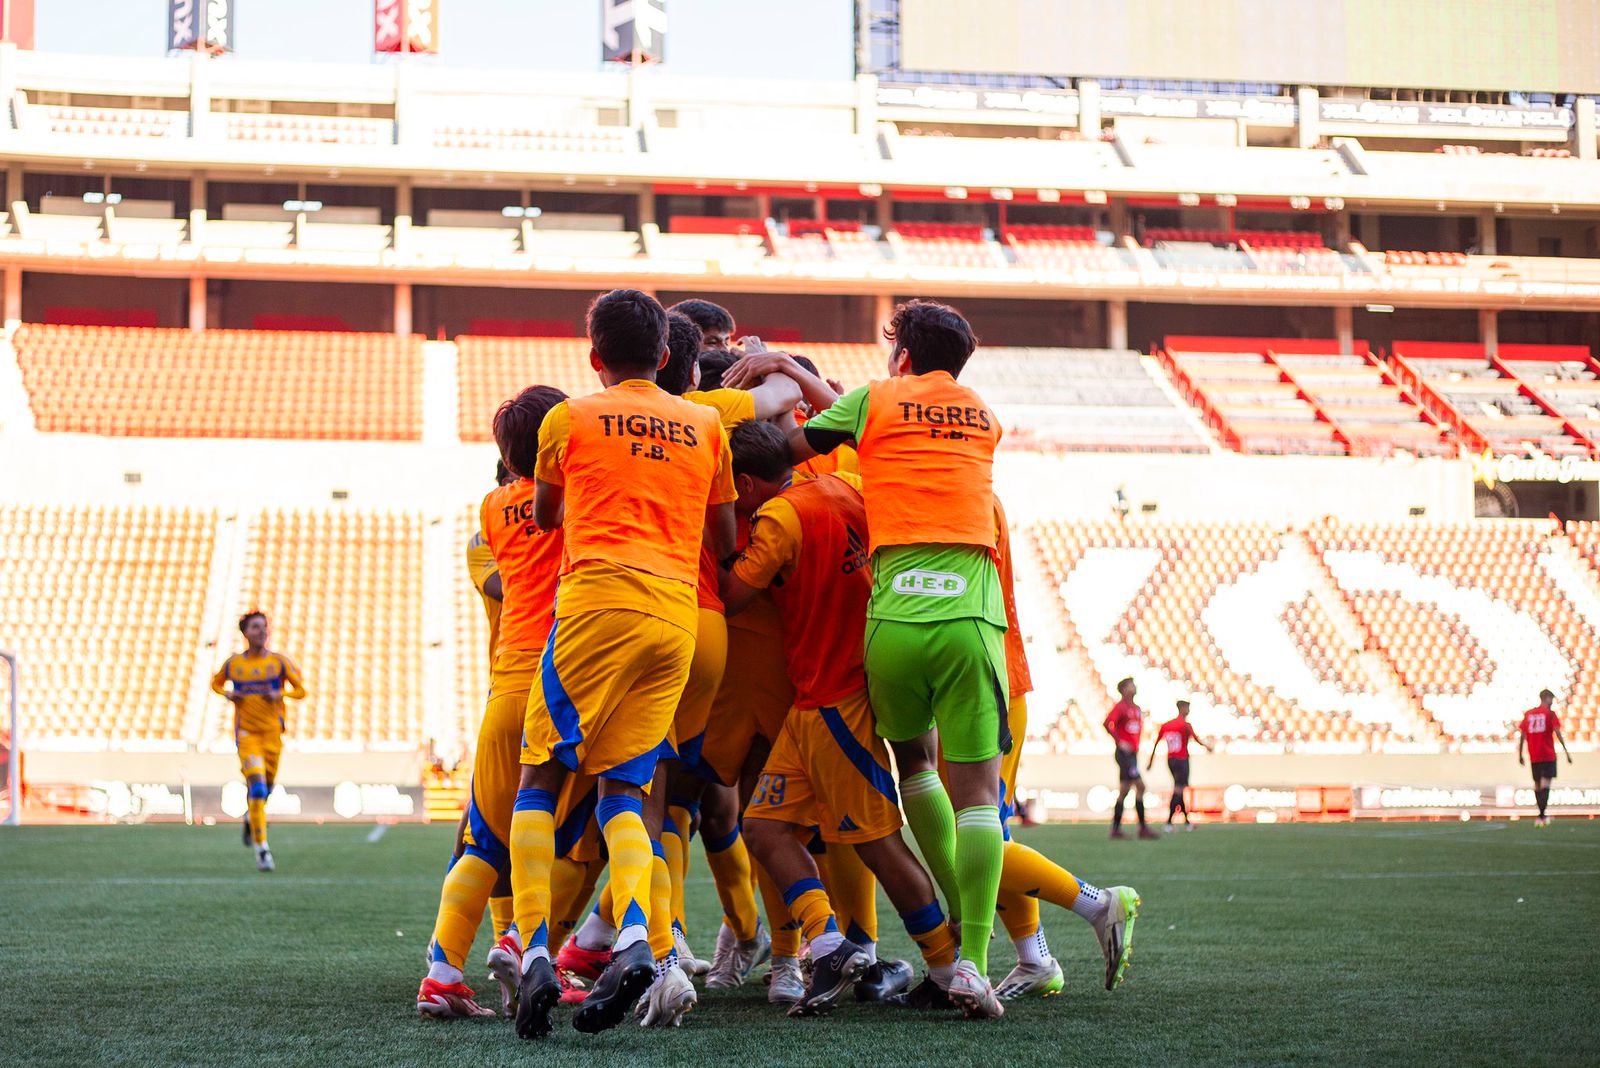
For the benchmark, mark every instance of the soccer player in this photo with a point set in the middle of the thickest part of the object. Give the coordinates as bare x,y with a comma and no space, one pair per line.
715,322
261,680
935,636
528,561
1176,734
1124,723
1538,733
634,476
828,768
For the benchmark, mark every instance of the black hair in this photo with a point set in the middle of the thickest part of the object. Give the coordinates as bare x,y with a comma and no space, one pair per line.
706,315
805,361
244,620
1546,693
683,347
937,337
1124,682
712,363
516,427
502,474
760,450
628,329
1182,705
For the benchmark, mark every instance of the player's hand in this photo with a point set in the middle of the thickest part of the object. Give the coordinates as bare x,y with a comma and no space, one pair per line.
234,698
752,345
835,385
1521,762
752,368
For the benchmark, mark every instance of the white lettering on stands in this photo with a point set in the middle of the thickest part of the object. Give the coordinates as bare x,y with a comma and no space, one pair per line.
218,30
1236,798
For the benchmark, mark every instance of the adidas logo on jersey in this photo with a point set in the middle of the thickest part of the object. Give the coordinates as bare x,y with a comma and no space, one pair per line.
855,551
848,824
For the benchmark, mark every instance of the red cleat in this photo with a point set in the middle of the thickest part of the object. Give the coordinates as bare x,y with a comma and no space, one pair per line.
1145,832
573,989
448,1001
583,963
1116,832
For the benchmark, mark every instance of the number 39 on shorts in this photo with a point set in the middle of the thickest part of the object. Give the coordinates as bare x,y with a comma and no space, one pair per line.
769,790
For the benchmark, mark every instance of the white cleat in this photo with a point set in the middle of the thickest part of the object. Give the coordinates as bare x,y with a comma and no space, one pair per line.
505,968
670,998
1042,980
733,964
1114,930
692,965
264,859
973,994
788,986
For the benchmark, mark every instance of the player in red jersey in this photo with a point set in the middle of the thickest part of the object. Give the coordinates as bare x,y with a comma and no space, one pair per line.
1124,723
1539,731
1176,734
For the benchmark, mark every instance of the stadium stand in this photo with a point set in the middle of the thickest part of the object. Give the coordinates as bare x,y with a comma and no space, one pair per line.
143,123
309,129
944,245
602,140
1252,403
491,370
1064,248
471,667
342,589
222,383
104,606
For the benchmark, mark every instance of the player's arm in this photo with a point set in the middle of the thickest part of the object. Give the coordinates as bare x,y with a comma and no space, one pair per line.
1563,741
774,545
840,424
549,504
1202,743
219,684
1522,741
550,479
770,367
294,687
493,588
1155,745
722,525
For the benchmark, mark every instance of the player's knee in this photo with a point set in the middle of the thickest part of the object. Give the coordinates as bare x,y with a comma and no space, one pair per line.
258,789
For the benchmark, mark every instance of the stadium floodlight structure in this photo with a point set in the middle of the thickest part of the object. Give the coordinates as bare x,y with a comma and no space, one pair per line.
13,758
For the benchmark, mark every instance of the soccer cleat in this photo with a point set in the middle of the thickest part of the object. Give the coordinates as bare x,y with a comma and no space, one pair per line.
573,989
538,991
1032,980
588,964
1116,832
505,961
925,995
629,975
785,984
763,945
972,993
1145,832
884,980
734,962
1114,929
670,998
830,977
264,859
448,1001
249,839
692,965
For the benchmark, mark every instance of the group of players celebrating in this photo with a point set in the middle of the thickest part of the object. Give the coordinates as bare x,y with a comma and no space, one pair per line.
724,592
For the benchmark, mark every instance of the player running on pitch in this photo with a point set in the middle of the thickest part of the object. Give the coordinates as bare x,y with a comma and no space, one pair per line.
1538,732
1125,722
1176,734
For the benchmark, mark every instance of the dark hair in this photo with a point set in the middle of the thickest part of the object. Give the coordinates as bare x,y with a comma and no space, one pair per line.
712,363
516,427
760,450
936,336
706,315
502,474
628,329
1182,705
244,620
1124,682
683,347
1545,693
805,361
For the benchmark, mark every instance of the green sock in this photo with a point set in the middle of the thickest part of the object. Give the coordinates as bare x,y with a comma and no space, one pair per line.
979,848
933,825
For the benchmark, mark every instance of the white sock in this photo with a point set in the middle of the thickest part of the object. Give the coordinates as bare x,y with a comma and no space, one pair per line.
532,954
1091,902
825,943
595,933
634,932
941,974
1032,949
871,949
444,972
665,965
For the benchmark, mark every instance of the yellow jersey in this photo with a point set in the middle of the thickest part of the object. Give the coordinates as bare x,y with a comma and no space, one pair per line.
481,567
263,682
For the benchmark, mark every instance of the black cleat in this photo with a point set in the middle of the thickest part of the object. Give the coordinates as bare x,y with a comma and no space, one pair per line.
627,976
925,995
830,978
249,839
883,980
538,991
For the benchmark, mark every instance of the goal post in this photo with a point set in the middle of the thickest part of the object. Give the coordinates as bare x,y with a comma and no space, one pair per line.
10,739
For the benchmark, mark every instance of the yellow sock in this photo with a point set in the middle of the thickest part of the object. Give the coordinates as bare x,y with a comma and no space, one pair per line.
567,879
853,890
808,903
622,824
729,862
502,914
1019,912
660,905
466,888
257,805
932,934
1030,873
533,853
606,904
675,840
785,931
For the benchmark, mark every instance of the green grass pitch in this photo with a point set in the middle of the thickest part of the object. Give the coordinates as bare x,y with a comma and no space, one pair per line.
1398,943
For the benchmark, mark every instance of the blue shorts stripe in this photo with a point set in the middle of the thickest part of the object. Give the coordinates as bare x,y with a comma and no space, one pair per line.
858,754
489,846
637,771
563,713
570,832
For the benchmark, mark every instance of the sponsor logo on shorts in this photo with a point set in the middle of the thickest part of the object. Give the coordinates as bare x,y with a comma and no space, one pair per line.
921,582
